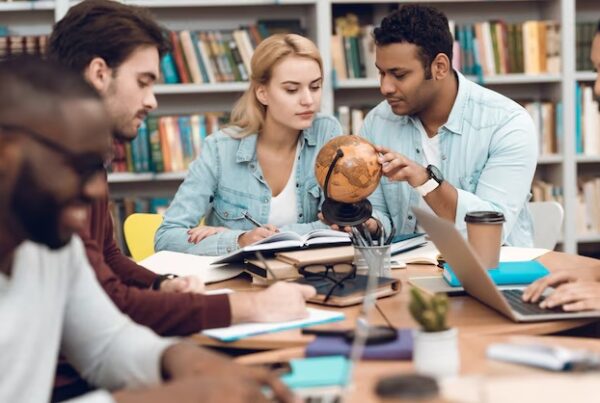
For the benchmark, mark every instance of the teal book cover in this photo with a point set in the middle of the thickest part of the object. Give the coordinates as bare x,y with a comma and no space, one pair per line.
517,273
317,371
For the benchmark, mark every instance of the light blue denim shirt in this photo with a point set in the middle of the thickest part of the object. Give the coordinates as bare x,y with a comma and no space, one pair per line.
226,181
488,152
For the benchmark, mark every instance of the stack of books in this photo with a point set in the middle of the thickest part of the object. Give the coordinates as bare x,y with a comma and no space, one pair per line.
584,35
587,121
12,45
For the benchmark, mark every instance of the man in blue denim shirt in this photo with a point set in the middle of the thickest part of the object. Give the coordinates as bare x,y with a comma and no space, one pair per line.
447,143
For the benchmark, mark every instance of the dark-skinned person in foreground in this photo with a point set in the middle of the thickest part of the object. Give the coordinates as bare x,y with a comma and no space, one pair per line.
55,138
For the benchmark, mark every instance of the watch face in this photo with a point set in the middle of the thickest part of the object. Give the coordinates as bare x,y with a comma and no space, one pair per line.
435,173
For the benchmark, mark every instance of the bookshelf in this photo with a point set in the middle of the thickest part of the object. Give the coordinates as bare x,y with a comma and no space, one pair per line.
317,16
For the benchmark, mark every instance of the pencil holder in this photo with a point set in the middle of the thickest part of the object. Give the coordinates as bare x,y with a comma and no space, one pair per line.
376,258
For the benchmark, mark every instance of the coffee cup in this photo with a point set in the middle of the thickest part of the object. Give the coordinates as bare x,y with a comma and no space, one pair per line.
484,231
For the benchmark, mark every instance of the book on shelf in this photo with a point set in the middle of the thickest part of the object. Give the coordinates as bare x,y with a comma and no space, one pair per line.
214,56
584,35
495,47
587,121
13,45
353,49
166,143
351,118
547,118
545,191
289,241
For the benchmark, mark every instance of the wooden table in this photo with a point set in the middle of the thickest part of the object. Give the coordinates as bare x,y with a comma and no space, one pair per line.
472,355
467,314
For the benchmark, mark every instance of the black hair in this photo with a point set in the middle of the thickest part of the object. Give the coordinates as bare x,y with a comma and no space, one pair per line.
27,80
424,26
106,29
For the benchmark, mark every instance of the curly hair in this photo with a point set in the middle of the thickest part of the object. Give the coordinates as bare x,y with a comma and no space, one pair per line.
424,26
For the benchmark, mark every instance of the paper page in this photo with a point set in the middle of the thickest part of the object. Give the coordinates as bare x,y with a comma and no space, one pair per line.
236,332
325,232
184,264
426,254
514,254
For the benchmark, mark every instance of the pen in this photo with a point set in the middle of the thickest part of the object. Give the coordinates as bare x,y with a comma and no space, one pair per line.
252,220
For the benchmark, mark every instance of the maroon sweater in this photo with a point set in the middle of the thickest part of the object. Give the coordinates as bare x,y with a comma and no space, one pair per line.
128,285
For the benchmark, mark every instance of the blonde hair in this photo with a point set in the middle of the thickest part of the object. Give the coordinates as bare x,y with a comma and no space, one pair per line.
248,114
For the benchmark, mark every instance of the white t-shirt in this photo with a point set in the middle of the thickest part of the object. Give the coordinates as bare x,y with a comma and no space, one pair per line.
52,300
432,156
284,206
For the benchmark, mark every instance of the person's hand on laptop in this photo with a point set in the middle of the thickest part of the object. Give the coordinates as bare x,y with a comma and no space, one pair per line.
575,290
280,302
577,296
183,284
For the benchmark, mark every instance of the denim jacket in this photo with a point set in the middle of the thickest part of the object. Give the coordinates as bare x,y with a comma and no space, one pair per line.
226,181
488,151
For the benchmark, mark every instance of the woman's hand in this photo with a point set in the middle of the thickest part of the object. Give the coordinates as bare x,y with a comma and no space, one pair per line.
203,231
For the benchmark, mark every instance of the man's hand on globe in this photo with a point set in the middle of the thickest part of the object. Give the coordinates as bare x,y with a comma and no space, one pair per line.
397,167
371,225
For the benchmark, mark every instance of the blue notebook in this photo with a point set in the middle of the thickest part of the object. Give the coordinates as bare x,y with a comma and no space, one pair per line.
317,372
517,273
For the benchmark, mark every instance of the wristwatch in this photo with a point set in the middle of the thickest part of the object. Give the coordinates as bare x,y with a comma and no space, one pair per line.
435,179
160,278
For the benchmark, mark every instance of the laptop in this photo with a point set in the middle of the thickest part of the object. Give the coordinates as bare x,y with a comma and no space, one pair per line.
475,280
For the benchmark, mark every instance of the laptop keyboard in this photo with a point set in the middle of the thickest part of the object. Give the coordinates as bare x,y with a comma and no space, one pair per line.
515,300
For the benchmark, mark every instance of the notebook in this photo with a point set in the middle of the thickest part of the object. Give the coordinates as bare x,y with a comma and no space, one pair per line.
424,254
305,257
406,242
184,264
352,292
399,349
513,273
237,332
289,241
282,270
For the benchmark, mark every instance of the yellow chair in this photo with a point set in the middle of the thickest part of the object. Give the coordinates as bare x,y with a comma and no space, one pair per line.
139,230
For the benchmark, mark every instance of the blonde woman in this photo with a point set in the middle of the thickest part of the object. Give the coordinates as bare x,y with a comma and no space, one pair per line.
261,165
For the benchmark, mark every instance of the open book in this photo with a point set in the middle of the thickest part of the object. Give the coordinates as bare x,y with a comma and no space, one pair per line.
289,241
184,264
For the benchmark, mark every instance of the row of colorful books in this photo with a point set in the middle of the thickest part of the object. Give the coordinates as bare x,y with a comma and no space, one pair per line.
166,143
495,47
584,35
547,116
11,45
353,49
121,208
587,121
202,57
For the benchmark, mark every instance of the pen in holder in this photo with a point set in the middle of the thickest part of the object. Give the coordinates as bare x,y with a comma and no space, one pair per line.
378,258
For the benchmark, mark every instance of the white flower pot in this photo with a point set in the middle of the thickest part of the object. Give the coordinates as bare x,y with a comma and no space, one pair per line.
436,353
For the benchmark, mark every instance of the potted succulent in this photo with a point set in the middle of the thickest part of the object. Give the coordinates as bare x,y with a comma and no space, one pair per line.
435,345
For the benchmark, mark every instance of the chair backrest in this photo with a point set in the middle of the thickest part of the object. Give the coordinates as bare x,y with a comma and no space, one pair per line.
547,223
139,230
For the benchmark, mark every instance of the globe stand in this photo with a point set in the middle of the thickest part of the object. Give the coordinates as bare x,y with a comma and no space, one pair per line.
343,214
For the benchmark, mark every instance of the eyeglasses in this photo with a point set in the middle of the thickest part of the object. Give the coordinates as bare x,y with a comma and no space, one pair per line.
87,165
322,276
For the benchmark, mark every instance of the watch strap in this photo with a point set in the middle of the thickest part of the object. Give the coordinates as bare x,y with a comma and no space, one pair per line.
160,278
427,187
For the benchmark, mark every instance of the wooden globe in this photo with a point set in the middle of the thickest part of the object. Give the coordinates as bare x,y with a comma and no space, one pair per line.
356,175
